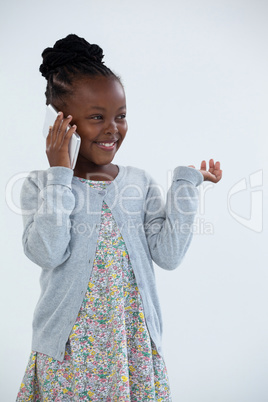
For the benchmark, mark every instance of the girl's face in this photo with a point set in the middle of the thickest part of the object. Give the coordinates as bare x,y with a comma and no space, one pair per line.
98,107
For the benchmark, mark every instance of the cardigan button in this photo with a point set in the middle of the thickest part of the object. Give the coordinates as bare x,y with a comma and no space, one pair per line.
102,192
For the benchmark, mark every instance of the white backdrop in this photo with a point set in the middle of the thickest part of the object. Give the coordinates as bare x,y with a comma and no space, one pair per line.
195,75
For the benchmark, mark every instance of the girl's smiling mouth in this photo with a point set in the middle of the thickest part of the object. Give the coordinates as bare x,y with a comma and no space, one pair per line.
107,145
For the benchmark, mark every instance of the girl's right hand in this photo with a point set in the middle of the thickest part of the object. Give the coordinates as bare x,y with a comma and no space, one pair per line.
57,142
214,173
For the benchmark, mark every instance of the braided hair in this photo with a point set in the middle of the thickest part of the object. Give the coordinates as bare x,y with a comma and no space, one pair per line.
69,59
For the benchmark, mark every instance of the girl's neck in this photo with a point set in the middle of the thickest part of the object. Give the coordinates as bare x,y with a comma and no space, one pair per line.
95,172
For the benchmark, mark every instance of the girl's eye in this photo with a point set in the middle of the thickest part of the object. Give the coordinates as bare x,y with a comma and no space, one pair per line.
100,117
97,117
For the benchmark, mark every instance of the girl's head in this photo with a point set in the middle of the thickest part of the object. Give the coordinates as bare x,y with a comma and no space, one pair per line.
79,84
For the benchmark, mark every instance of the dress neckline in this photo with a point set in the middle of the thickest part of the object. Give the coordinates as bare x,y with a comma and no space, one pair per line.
94,181
110,183
101,181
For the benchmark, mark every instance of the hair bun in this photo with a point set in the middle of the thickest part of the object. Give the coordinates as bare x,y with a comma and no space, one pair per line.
70,50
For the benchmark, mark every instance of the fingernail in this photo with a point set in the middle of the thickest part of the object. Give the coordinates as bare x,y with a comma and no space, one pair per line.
59,113
69,116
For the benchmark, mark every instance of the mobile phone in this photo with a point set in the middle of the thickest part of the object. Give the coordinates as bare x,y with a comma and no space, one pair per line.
75,141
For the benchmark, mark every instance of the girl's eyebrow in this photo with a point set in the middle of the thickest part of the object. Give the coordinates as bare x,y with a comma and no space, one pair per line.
103,108
97,107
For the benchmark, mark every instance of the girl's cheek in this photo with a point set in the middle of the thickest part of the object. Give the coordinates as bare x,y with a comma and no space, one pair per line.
125,127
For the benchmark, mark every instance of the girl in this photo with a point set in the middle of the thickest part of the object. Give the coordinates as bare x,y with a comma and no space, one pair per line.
95,231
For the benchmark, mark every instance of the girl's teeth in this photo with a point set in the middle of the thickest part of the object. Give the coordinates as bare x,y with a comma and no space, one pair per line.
106,144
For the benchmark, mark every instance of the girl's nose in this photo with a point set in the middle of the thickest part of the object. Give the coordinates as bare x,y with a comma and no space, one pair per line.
111,128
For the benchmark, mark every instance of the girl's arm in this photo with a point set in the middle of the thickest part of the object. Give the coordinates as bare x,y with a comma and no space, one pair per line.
169,227
47,202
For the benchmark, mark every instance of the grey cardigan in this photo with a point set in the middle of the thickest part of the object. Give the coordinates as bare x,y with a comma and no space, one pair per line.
61,218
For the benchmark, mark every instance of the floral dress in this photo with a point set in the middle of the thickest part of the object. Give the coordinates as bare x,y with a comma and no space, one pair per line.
109,355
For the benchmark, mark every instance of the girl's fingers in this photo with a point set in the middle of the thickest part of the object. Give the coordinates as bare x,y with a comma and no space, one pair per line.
59,128
217,165
66,138
61,132
219,174
214,173
203,165
217,171
211,165
48,139
57,145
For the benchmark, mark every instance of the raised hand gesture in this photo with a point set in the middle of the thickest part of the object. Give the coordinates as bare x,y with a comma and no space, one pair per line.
214,173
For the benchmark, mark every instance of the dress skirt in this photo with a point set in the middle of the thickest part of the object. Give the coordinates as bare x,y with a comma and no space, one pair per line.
109,355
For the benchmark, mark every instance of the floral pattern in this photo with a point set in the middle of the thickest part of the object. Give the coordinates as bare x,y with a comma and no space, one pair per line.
109,355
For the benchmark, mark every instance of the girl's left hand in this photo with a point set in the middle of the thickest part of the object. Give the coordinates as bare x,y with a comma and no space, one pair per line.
214,173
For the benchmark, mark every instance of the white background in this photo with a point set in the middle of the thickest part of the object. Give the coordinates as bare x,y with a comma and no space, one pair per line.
195,75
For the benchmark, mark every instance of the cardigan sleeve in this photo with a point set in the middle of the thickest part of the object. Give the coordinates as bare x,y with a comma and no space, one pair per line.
46,202
169,227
